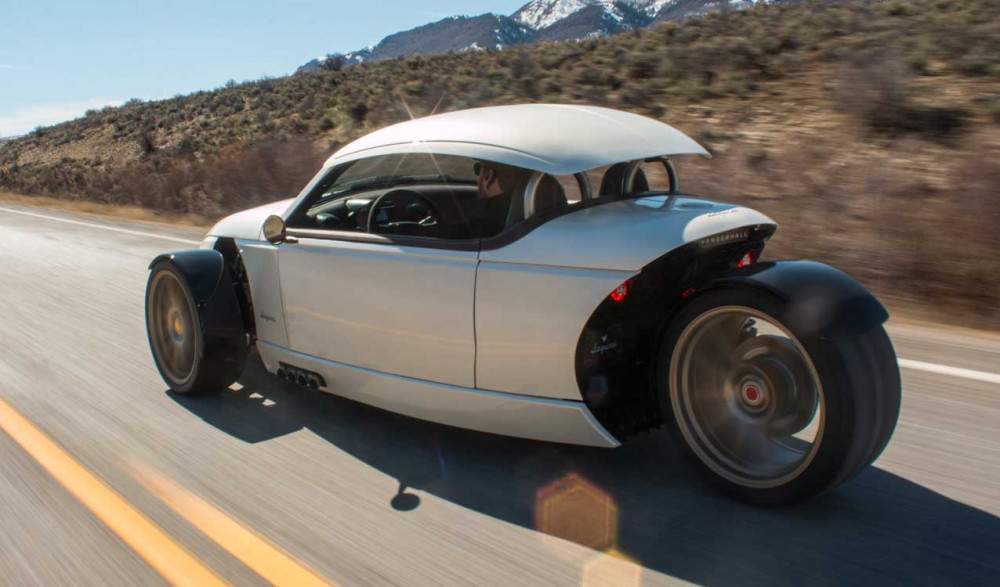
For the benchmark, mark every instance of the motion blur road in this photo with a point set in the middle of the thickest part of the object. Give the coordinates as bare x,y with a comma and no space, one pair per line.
270,480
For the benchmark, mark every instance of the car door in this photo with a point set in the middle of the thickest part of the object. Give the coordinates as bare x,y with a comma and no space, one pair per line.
397,304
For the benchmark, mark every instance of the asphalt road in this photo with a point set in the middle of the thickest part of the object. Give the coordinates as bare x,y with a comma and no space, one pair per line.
358,496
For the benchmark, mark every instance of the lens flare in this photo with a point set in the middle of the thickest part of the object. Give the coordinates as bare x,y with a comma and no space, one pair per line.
575,509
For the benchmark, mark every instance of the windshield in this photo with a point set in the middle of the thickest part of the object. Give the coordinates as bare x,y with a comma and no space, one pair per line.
405,168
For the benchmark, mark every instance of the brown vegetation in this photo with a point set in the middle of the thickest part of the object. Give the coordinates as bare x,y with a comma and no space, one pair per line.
923,241
870,131
209,186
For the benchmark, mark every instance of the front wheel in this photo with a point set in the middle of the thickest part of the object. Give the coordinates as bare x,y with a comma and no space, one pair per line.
767,414
189,359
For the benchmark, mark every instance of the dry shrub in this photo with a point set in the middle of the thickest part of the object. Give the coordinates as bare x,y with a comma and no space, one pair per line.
920,231
230,180
877,91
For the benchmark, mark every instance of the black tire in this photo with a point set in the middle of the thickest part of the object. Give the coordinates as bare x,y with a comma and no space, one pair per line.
853,384
207,364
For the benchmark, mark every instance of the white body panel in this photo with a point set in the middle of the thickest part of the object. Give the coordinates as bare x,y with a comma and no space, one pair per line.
624,235
534,296
528,323
260,258
400,310
539,419
558,139
247,224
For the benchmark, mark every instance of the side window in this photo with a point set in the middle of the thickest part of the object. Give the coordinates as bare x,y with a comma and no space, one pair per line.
420,195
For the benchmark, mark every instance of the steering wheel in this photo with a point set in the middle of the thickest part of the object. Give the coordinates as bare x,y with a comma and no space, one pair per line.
415,214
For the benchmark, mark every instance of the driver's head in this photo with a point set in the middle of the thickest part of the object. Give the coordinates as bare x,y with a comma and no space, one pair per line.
497,179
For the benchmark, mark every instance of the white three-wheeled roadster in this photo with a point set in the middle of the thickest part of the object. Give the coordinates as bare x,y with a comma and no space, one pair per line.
599,301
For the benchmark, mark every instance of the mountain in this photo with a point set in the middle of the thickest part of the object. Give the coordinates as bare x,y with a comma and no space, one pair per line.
536,21
540,14
593,19
457,33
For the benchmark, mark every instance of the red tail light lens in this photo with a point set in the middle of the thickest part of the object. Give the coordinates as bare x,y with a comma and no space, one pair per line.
746,260
621,291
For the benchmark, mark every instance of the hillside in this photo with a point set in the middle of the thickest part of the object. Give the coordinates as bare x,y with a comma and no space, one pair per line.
869,131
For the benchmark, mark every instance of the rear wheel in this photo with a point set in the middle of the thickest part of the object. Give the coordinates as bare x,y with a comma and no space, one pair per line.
185,361
767,414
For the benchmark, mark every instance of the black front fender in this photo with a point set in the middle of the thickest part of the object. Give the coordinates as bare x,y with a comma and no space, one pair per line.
823,301
202,268
217,305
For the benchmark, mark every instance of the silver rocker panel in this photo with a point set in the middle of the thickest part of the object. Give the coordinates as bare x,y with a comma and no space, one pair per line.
549,420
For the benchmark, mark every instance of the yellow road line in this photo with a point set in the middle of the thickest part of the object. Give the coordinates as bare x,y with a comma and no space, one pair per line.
158,549
266,559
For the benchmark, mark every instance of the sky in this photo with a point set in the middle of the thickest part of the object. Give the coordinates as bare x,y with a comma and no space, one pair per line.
59,58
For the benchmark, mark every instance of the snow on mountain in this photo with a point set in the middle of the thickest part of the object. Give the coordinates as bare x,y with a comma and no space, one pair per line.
539,14
652,7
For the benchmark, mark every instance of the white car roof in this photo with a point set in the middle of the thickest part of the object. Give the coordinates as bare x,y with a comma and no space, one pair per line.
558,139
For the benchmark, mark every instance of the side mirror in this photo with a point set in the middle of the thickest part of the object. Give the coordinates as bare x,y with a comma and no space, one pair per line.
274,229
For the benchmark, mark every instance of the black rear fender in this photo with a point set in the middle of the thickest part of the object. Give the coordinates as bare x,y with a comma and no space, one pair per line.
823,302
616,350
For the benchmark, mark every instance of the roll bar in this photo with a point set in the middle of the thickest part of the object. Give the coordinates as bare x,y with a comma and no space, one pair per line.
633,170
531,189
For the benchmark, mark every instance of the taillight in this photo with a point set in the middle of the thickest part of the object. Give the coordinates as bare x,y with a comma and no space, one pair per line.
621,291
746,260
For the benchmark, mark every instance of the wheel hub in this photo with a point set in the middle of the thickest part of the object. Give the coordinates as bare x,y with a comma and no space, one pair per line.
754,395
176,326
770,383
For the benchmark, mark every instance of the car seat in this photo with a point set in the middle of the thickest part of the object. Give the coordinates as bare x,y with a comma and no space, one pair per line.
549,195
614,177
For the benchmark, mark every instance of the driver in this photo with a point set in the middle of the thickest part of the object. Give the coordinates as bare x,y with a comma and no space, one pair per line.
496,188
